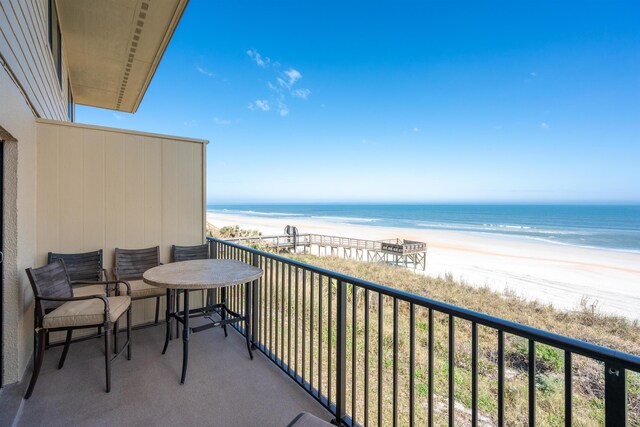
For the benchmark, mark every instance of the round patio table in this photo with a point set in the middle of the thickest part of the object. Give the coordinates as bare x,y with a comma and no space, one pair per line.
197,275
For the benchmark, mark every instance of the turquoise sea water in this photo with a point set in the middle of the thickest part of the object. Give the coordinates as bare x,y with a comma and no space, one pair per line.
599,226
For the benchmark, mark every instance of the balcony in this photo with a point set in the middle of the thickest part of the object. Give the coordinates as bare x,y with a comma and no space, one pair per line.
342,348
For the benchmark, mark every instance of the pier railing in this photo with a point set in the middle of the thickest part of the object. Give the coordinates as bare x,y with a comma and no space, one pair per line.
374,355
396,246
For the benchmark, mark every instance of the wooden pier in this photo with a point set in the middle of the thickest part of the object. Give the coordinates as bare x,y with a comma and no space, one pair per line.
405,253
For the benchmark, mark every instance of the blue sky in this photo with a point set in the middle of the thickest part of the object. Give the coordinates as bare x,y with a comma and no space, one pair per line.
403,101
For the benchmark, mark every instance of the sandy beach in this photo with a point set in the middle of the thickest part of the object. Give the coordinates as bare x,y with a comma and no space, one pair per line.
550,273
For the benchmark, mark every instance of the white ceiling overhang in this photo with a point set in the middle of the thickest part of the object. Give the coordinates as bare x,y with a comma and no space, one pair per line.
113,47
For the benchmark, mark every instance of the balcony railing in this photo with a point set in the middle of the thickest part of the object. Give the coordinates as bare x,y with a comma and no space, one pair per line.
360,348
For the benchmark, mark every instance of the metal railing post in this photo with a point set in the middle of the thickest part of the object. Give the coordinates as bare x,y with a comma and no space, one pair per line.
212,294
255,315
213,249
615,395
341,353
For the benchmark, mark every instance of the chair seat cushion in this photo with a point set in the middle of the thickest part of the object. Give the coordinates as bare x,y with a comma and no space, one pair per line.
86,290
85,312
139,289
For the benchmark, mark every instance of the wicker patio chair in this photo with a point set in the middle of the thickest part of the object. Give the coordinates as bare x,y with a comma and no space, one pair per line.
130,265
57,309
83,268
188,253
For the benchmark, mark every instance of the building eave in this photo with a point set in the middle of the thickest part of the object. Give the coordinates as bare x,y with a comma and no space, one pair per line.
113,48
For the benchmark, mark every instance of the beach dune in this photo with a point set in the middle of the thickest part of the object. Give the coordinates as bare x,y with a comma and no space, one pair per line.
561,275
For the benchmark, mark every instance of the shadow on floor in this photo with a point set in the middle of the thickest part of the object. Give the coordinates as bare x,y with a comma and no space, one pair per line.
223,387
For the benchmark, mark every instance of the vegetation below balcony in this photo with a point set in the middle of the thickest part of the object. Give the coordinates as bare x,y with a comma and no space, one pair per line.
585,324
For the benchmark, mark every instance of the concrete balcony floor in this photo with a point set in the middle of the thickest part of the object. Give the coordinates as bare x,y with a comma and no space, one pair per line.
223,387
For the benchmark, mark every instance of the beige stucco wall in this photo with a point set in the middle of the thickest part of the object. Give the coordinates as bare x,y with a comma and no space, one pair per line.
108,188
19,228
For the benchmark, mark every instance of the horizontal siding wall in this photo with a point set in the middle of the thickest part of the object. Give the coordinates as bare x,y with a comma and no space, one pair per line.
104,189
24,46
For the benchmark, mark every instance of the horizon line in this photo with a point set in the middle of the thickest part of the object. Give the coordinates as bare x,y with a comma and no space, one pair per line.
492,203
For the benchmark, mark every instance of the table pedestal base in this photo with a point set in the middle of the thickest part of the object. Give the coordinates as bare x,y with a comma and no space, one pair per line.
208,312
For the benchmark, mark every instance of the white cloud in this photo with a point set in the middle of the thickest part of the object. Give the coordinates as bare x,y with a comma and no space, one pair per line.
261,61
533,74
282,88
301,93
544,125
190,123
119,116
219,121
204,71
415,130
260,104
293,76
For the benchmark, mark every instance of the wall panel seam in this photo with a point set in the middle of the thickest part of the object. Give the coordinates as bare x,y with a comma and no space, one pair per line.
83,212
162,190
57,139
104,191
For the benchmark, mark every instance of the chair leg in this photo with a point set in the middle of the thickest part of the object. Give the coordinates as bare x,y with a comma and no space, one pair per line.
107,354
116,329
129,333
99,332
67,343
158,309
37,362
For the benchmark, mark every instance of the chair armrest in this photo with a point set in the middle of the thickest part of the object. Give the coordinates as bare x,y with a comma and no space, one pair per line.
73,298
126,283
87,297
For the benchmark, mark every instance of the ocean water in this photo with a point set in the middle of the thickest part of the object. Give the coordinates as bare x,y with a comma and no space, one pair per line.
597,226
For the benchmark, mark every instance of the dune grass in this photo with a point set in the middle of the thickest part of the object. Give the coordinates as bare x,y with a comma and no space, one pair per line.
585,324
